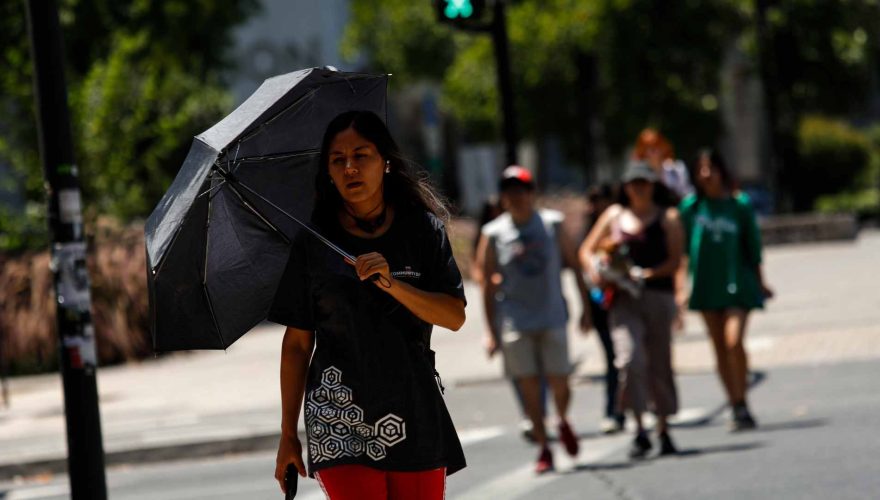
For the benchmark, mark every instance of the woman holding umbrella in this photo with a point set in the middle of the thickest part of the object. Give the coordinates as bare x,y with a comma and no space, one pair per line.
357,362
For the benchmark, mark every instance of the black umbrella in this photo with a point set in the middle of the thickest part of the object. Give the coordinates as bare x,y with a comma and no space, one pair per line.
218,241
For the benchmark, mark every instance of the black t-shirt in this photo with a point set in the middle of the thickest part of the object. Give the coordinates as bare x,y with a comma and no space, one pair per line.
371,397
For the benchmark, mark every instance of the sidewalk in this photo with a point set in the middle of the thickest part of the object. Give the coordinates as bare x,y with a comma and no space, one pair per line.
211,403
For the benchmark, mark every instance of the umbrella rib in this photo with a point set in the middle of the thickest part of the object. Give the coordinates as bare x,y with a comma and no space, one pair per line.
213,316
205,273
305,226
279,156
254,210
308,94
260,128
212,188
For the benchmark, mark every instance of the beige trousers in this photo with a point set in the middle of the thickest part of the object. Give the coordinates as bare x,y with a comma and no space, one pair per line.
641,330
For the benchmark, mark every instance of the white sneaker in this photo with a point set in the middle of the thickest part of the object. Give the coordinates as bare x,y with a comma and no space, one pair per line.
610,425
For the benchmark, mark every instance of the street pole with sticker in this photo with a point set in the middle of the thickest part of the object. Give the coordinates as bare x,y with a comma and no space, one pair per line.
76,335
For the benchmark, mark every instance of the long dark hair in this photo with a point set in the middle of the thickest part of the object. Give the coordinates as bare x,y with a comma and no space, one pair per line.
717,162
404,189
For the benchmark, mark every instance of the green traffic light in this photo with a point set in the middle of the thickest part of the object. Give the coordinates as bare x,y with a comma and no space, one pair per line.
458,8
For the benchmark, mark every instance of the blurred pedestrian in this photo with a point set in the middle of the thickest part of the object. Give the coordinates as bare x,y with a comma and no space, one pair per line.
376,423
490,211
599,198
649,237
525,308
723,246
656,150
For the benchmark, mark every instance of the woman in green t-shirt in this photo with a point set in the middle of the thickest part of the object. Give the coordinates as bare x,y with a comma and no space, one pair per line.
723,249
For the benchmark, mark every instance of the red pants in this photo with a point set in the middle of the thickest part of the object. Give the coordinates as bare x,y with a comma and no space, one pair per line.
359,482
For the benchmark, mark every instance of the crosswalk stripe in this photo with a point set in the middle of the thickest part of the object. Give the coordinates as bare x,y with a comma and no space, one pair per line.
517,482
38,492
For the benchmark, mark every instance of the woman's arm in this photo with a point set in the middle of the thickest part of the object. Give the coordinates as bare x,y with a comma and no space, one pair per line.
682,292
752,234
588,248
477,264
571,260
433,307
765,288
296,352
674,247
487,259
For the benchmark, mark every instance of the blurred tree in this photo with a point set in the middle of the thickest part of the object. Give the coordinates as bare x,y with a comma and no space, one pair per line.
833,156
133,123
825,53
655,62
142,76
818,58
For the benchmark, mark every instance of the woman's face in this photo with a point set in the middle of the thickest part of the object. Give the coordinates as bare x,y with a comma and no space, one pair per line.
654,155
639,191
356,167
708,176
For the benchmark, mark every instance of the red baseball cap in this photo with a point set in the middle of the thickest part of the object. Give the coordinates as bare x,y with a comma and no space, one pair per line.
516,175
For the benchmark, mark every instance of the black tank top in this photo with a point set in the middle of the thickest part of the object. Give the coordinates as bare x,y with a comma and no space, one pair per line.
648,249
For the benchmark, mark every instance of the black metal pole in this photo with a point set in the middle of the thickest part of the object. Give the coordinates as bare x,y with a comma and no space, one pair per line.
770,85
76,338
505,86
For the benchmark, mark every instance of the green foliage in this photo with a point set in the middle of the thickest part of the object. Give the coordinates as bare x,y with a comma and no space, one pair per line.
23,230
871,175
143,77
632,43
864,203
826,54
657,62
832,156
659,65
401,37
134,124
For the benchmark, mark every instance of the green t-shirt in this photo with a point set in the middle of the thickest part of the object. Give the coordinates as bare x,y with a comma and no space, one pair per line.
723,243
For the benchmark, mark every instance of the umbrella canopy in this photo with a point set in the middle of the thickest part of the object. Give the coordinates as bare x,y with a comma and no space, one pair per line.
218,241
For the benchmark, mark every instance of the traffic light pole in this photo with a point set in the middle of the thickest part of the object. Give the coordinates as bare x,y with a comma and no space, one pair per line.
498,29
502,59
76,338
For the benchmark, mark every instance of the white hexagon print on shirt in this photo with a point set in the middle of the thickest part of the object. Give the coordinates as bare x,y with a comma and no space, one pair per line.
336,428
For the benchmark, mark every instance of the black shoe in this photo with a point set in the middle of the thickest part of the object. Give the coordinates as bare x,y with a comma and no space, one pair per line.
667,447
640,447
742,419
527,432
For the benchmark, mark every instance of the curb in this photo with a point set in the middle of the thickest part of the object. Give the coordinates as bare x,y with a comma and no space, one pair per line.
169,453
245,444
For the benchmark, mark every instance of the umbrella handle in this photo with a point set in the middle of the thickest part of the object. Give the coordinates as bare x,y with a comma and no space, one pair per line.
373,277
383,281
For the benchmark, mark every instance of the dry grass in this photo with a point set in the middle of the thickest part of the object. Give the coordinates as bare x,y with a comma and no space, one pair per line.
117,268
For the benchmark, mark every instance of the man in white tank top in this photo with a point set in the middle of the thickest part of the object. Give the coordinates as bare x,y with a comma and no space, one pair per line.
522,254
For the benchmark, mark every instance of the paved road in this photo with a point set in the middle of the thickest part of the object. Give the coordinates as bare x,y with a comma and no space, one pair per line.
818,343
818,439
